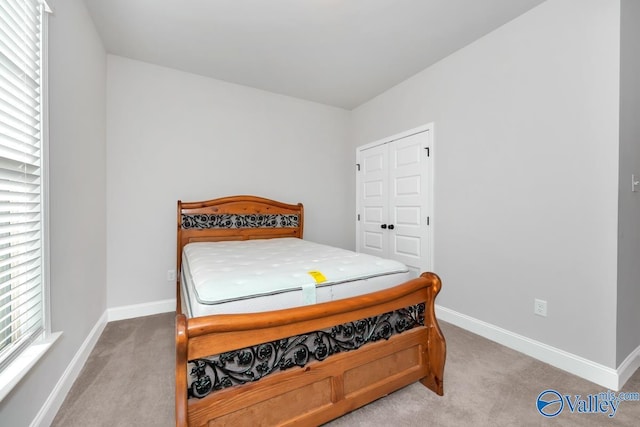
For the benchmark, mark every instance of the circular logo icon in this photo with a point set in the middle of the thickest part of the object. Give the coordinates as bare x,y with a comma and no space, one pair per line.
550,403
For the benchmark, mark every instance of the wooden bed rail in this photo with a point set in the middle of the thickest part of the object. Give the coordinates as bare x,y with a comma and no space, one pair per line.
242,322
181,370
205,336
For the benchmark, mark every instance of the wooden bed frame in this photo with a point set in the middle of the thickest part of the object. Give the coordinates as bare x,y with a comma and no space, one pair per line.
318,391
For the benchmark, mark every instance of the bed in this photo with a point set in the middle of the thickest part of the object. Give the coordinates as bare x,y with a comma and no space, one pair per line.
291,355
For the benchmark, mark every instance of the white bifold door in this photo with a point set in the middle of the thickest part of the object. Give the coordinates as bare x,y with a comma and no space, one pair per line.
393,199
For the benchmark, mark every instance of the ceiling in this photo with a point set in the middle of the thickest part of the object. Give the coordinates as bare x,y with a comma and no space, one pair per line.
335,52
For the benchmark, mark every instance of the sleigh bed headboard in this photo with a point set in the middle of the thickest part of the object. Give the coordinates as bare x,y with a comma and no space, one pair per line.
236,218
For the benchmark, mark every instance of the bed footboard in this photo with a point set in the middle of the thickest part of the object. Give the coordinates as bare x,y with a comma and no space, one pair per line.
319,389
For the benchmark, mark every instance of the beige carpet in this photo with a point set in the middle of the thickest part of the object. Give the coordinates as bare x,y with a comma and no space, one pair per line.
128,381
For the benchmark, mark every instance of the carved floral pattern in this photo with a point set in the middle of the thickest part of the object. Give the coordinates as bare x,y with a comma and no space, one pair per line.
249,364
205,221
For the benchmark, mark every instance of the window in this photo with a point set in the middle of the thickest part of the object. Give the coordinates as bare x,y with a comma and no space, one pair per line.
22,283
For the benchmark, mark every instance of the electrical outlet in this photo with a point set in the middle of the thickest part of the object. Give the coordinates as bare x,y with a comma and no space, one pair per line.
171,275
540,307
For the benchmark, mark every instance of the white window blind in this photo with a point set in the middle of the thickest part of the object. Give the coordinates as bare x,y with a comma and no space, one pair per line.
21,236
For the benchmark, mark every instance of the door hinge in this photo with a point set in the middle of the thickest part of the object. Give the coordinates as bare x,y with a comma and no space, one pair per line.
427,220
358,166
358,217
428,151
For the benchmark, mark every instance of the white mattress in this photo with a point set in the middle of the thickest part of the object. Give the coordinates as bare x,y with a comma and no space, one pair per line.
271,274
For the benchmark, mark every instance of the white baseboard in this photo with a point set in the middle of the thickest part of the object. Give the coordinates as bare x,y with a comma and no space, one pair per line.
629,366
139,310
612,379
53,403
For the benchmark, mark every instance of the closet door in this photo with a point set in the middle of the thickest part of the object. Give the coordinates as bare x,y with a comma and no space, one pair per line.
373,195
393,196
408,230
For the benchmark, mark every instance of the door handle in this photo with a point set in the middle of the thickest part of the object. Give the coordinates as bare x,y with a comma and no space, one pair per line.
391,227
383,226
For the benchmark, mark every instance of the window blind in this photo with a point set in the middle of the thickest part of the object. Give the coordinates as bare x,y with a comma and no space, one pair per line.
21,278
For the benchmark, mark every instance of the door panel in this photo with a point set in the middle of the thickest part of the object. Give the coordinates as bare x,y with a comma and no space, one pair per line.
408,245
375,161
407,154
408,215
373,201
373,189
409,200
407,186
374,243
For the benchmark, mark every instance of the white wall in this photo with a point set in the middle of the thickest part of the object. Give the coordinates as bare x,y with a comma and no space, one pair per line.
173,135
77,76
629,203
526,172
